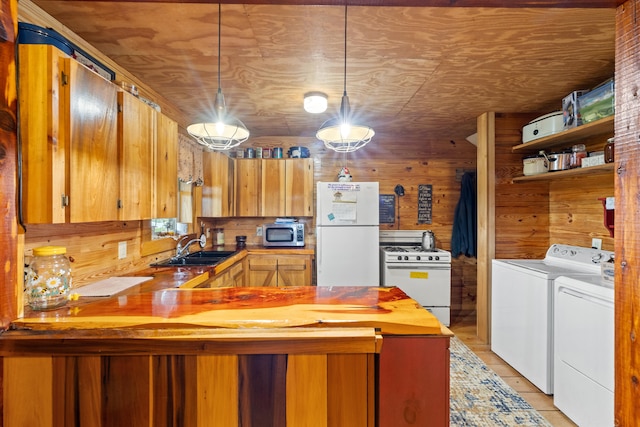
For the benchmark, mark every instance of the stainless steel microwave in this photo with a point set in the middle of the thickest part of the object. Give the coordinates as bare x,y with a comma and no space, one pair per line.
283,235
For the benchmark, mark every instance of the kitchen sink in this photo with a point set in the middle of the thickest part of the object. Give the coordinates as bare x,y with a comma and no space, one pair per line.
211,254
195,259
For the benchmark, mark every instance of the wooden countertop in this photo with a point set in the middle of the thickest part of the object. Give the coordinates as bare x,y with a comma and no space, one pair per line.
389,310
205,272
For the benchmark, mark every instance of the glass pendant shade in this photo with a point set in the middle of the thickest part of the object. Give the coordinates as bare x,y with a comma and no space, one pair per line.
219,136
332,133
225,132
339,134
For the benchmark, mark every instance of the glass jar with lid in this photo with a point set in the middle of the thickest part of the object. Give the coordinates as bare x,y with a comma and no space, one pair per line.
219,233
578,152
609,151
48,278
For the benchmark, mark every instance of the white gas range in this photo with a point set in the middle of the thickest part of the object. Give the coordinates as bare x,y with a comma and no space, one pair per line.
423,275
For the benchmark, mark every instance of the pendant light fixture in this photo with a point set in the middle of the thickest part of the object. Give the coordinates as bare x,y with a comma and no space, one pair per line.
226,132
339,134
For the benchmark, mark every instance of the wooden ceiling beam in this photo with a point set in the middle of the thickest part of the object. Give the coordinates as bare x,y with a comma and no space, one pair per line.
589,4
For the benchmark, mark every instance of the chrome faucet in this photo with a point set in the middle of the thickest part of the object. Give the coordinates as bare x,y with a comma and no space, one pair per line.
184,250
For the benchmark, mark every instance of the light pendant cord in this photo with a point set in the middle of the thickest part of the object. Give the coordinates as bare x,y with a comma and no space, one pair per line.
345,49
219,44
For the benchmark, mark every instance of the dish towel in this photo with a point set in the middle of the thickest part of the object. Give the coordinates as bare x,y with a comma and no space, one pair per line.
464,234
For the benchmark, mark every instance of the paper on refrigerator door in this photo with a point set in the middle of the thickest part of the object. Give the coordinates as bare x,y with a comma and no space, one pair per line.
344,205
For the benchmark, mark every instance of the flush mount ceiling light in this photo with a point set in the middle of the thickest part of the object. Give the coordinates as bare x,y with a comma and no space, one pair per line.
315,102
339,134
226,132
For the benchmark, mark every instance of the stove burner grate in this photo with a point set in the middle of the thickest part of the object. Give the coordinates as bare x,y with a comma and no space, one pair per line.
407,249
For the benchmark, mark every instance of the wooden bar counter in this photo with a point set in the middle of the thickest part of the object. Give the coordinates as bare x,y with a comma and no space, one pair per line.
291,356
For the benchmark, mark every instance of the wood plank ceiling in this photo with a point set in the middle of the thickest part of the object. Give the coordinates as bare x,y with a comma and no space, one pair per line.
414,73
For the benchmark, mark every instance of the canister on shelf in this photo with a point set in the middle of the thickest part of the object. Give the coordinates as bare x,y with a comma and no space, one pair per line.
578,152
251,153
277,153
266,153
219,232
48,278
609,151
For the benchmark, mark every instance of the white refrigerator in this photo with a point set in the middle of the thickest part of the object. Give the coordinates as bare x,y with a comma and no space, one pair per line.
347,234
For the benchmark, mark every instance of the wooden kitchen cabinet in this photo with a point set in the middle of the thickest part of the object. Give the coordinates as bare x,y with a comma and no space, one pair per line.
136,130
69,139
166,168
274,187
217,188
93,161
44,151
247,187
299,187
231,277
279,270
287,187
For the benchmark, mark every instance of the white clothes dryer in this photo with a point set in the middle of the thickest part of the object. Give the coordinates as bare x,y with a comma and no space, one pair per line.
584,350
522,307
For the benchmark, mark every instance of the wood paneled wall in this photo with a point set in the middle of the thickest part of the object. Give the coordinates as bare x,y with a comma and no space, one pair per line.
522,210
92,248
627,268
10,241
530,216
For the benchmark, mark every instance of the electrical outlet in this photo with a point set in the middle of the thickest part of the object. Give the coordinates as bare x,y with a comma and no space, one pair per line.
258,231
596,243
122,250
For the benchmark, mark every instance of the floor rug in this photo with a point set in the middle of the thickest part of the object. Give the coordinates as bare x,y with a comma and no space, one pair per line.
480,398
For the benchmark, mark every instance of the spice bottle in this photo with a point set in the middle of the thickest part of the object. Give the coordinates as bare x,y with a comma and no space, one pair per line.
609,151
578,152
48,278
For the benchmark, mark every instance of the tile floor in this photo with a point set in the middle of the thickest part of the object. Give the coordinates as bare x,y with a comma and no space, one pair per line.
465,330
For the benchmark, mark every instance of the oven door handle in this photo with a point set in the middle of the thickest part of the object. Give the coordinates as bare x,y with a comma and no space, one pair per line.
418,266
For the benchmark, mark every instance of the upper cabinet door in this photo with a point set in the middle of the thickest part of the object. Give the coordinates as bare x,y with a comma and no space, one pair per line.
247,187
299,187
166,167
136,121
273,192
217,189
93,145
42,139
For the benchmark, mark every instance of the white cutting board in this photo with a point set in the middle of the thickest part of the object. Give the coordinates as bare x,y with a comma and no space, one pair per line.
110,286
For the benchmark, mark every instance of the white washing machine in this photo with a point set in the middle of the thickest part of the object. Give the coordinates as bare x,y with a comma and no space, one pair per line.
584,350
522,307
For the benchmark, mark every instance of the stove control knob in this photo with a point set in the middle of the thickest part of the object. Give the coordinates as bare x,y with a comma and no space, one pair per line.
418,258
437,258
406,258
399,257
430,258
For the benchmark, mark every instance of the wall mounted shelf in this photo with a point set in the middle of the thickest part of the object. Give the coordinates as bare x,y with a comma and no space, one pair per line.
607,168
567,137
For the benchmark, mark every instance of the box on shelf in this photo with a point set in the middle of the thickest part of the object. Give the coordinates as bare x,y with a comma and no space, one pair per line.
593,160
543,126
598,103
570,115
